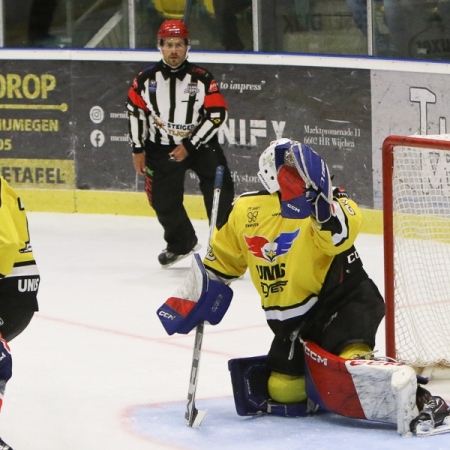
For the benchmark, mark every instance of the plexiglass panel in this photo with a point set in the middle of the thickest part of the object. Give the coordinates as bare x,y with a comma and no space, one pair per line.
417,29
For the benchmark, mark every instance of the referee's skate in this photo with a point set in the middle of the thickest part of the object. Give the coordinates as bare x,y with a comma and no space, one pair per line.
167,259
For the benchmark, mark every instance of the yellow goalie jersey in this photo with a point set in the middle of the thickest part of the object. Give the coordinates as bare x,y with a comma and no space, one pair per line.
288,259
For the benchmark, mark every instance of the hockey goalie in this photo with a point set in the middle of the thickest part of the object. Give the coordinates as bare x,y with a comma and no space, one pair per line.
319,302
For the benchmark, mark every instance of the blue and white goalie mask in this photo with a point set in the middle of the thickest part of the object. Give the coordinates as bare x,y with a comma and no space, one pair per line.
267,167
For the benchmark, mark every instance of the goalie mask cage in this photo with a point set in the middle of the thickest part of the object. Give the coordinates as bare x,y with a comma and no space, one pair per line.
416,215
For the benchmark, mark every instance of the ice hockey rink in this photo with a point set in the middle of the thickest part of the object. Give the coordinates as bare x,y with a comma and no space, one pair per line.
95,369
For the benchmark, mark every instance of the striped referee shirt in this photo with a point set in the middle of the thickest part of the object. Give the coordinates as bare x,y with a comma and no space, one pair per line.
170,106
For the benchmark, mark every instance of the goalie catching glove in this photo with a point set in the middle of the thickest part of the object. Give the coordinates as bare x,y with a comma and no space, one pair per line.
198,299
305,183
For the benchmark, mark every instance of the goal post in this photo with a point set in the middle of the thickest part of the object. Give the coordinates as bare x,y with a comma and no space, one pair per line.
416,219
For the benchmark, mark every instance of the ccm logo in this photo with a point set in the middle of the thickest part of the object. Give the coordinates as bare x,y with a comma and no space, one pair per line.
293,207
216,304
352,257
166,315
315,357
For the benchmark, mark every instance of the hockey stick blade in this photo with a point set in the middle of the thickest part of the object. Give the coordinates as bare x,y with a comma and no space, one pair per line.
196,418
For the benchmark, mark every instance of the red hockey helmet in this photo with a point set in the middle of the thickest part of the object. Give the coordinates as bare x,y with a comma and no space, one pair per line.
173,29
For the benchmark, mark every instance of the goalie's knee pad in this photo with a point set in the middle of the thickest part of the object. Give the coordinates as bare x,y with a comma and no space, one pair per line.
249,378
286,389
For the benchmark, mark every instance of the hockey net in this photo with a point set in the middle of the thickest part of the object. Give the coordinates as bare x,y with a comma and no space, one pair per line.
416,214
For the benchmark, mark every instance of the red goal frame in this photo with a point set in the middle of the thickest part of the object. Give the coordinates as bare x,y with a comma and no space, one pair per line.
388,222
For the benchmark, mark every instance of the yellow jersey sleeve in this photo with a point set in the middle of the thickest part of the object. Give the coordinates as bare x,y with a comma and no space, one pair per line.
14,236
348,219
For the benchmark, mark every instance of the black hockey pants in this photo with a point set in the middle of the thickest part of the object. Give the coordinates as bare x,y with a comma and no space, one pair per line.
358,311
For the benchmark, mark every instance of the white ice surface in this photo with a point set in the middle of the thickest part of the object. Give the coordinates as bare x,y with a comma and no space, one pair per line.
95,370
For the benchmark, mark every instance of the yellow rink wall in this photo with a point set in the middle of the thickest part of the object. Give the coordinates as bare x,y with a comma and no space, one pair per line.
133,204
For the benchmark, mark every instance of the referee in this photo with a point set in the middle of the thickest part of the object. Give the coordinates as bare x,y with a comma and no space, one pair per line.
175,109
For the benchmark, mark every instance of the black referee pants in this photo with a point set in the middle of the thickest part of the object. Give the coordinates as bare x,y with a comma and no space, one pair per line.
164,186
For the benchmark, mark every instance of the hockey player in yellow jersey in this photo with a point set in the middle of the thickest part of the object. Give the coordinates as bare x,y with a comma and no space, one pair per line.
19,279
296,238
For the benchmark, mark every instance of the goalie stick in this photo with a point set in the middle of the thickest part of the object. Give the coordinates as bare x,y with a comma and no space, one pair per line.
193,417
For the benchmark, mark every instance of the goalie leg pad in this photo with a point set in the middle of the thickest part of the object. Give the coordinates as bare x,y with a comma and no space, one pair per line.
249,379
198,299
364,389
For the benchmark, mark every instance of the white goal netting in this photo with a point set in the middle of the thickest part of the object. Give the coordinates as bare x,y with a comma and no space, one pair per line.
421,248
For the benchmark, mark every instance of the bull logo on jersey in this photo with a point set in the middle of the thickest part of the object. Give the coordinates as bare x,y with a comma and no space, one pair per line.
262,248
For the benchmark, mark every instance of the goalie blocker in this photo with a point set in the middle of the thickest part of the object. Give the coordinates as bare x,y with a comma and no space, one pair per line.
198,299
378,390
